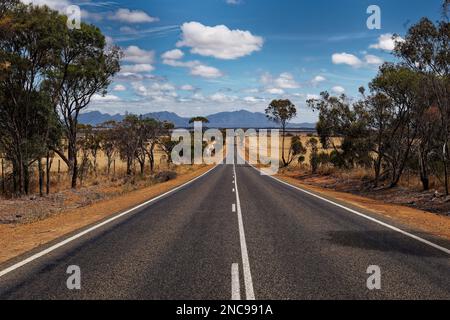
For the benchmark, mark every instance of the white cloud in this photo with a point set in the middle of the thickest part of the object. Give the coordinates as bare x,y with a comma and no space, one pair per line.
106,98
275,91
187,87
109,41
219,41
196,68
277,85
386,42
206,71
137,55
222,98
132,16
59,5
175,54
234,2
119,88
137,68
91,16
312,96
338,90
346,58
286,81
253,100
317,80
373,60
156,91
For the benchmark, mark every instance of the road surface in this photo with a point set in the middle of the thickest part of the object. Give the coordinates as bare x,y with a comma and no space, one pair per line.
234,234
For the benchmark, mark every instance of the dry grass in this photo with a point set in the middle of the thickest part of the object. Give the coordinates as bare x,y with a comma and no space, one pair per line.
28,209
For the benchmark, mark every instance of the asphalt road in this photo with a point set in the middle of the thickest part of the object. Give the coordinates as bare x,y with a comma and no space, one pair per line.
245,236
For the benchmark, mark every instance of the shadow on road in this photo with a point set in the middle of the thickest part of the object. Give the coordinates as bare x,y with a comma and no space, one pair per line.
385,241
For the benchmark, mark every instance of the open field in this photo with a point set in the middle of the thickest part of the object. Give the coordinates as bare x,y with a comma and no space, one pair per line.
357,181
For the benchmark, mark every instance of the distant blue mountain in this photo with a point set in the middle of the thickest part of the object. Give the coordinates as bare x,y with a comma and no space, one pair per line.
236,119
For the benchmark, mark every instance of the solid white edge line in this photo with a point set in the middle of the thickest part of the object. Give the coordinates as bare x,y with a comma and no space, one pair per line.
436,246
235,285
79,235
250,294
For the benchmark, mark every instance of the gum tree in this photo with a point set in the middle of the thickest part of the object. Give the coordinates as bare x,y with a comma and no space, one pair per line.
426,50
281,112
85,68
30,42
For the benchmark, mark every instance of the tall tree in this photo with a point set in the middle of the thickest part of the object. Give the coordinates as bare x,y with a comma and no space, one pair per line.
85,69
126,135
426,50
281,112
30,42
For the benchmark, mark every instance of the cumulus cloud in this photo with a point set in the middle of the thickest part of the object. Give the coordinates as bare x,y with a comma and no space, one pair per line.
187,87
338,90
137,55
175,54
346,58
206,71
105,98
310,96
277,85
219,41
196,67
119,88
137,68
387,42
156,91
275,91
286,81
132,16
59,5
317,80
233,2
373,60
253,100
222,98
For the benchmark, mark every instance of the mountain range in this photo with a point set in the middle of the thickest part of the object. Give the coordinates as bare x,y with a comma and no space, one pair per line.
235,119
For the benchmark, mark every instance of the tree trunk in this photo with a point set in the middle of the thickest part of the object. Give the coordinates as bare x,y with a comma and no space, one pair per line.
142,166
108,168
129,164
282,146
424,172
151,157
74,173
72,158
21,174
26,172
47,173
41,178
377,171
3,177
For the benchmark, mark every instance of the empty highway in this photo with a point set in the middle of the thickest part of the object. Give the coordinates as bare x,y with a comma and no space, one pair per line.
234,234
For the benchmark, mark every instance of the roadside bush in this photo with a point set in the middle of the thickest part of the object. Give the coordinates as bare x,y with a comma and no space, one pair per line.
165,176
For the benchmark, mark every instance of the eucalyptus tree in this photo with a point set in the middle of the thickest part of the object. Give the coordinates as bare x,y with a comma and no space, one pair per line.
281,112
85,68
426,50
30,43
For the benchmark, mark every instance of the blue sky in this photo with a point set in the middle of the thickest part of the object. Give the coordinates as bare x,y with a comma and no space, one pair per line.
200,57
